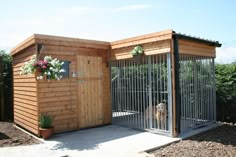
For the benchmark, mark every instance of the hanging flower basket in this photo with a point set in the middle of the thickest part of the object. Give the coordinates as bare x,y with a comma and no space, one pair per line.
137,53
46,68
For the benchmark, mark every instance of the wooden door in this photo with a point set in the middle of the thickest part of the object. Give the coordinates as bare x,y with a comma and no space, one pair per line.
89,91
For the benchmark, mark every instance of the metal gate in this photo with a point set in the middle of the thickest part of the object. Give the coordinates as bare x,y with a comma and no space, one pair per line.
197,91
141,93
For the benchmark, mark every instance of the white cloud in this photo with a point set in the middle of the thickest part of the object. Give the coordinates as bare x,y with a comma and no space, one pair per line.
225,55
132,7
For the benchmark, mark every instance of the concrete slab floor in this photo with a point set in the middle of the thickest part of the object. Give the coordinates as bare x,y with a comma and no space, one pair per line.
104,141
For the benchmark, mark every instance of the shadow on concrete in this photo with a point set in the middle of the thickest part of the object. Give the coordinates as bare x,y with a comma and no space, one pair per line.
89,139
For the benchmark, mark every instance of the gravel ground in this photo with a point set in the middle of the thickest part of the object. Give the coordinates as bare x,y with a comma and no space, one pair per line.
219,142
11,136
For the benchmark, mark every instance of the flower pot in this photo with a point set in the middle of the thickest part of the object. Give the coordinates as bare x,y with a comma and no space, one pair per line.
138,58
46,132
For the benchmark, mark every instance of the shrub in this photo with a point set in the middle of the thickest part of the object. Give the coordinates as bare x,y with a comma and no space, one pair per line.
45,121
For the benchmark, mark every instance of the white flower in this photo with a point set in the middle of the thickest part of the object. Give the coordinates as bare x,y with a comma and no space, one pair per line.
62,71
40,77
49,73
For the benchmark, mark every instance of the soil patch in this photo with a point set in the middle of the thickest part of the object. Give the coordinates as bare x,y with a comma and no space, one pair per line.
219,142
11,136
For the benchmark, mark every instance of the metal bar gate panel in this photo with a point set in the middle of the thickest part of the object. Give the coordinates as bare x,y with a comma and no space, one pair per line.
141,93
197,91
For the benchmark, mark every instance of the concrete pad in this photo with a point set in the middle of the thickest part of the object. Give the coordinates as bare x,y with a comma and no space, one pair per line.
104,141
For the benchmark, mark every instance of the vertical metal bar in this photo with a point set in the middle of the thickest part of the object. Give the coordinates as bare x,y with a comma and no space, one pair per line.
114,93
125,92
169,87
129,91
164,85
111,89
140,95
193,91
214,89
118,92
157,80
143,95
205,89
150,91
137,95
201,91
153,92
185,90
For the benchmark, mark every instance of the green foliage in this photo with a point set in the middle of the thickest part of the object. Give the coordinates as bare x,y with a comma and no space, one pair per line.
45,121
7,61
226,83
137,50
6,57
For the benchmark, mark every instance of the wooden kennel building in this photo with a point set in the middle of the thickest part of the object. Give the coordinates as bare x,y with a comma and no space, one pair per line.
106,84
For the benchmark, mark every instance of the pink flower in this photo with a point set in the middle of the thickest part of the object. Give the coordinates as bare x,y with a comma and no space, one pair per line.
44,67
45,62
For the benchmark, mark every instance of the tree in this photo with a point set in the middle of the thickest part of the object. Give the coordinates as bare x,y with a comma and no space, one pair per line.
6,86
226,89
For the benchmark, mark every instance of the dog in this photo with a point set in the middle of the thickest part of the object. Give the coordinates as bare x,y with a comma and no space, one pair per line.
159,114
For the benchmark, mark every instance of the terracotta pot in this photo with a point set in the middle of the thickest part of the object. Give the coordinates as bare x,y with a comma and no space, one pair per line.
46,132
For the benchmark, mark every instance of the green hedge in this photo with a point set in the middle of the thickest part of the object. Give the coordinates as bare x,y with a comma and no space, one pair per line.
226,92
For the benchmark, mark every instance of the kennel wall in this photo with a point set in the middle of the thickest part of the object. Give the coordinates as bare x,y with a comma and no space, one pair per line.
74,102
172,50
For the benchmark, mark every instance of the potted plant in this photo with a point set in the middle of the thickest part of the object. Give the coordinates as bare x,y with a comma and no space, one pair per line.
45,126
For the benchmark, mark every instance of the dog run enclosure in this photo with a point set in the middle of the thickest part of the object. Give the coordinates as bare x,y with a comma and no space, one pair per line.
169,89
176,71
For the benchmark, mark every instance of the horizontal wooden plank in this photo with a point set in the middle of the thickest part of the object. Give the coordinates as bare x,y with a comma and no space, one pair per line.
18,76
65,121
26,52
56,89
57,84
60,115
23,109
60,108
25,114
25,80
28,121
154,37
25,97
27,106
21,123
22,60
28,89
25,93
34,103
149,49
56,94
25,84
53,104
65,127
57,99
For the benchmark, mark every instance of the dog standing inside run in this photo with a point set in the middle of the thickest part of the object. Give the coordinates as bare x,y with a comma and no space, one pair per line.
159,113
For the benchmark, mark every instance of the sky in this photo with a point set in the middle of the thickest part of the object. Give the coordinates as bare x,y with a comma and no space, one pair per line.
114,20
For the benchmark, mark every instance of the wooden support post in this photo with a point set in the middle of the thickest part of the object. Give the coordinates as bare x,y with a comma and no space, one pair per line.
176,89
